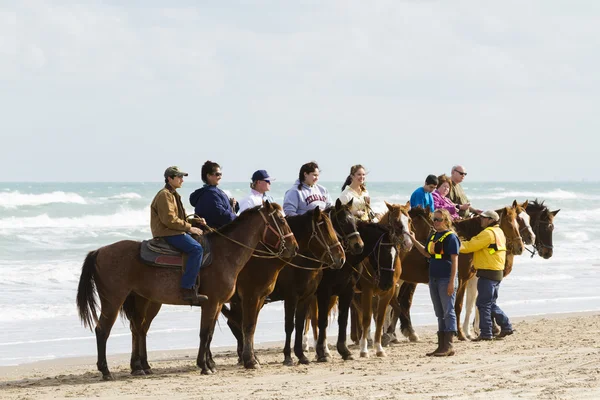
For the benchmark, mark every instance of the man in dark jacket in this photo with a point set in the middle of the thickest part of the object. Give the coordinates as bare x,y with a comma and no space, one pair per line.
210,202
167,221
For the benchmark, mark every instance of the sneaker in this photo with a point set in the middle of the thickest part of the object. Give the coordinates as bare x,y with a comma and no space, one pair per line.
503,334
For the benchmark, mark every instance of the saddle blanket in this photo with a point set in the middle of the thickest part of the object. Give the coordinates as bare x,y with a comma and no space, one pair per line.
158,253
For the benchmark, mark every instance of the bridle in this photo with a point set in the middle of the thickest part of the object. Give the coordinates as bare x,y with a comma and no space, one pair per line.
344,237
280,244
538,239
377,267
318,235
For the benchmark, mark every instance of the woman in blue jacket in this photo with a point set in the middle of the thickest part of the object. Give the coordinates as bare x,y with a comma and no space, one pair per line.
210,202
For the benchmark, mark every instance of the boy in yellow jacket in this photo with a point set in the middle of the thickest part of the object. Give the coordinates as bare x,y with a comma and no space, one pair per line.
489,255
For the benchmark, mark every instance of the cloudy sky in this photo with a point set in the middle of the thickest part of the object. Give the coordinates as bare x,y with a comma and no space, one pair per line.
101,91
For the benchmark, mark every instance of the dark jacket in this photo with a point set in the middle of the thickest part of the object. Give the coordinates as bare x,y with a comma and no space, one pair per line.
212,204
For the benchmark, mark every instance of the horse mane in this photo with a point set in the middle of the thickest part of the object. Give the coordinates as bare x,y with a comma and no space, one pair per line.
540,207
418,211
467,228
367,224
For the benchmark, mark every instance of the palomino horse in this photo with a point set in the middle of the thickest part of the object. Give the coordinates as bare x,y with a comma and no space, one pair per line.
319,246
297,286
466,229
381,252
115,271
542,221
398,222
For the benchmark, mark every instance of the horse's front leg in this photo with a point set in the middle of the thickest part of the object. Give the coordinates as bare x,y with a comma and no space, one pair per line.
209,316
460,294
151,312
323,307
289,306
210,362
407,290
301,312
345,298
250,316
365,316
470,306
382,306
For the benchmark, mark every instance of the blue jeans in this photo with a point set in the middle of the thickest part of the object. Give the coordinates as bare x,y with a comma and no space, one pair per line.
194,251
487,294
443,304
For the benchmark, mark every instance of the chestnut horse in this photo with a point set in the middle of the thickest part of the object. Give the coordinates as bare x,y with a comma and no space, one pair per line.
319,247
466,229
115,271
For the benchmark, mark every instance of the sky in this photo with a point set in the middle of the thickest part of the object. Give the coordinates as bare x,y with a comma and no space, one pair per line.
118,91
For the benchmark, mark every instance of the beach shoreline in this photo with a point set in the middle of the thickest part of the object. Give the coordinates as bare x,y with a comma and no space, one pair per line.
550,356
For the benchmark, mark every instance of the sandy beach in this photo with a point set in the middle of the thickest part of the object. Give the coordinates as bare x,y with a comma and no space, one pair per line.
550,357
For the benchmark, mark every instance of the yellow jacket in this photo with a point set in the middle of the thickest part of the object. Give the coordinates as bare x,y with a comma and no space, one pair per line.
479,246
167,216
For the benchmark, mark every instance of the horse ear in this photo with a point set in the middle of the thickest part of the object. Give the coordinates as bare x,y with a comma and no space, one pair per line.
524,205
349,204
427,210
338,204
317,214
266,204
407,205
389,206
515,204
554,212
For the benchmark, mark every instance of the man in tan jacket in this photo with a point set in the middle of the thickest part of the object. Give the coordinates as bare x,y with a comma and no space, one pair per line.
167,221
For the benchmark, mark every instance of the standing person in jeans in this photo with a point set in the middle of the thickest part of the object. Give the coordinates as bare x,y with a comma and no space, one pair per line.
442,250
489,254
167,221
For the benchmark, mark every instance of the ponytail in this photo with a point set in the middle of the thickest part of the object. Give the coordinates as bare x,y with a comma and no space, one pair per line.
347,182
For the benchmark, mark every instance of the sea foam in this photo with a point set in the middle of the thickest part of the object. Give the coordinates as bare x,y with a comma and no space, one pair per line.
17,199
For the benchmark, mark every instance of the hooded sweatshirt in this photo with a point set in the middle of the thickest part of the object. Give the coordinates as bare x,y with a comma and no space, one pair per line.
299,201
212,204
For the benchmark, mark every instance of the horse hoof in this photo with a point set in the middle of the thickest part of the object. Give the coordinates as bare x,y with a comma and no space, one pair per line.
348,357
364,354
385,340
206,372
413,337
288,362
252,366
108,377
324,359
381,354
148,371
303,360
138,372
462,337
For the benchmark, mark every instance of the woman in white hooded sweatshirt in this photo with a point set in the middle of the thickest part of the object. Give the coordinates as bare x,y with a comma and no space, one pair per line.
306,194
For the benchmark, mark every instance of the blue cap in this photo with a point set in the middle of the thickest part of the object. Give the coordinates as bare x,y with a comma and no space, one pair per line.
261,175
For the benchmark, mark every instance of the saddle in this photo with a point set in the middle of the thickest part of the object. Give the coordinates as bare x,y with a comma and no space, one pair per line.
158,253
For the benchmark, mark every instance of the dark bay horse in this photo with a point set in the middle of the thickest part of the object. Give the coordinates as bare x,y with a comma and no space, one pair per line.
319,247
296,286
542,221
381,252
466,229
115,271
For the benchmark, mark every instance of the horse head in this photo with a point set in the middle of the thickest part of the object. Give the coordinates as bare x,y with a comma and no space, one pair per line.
509,225
422,224
524,221
344,224
323,242
277,233
398,221
542,221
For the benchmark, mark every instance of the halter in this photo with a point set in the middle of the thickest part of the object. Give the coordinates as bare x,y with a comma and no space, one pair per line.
318,235
375,279
344,237
279,233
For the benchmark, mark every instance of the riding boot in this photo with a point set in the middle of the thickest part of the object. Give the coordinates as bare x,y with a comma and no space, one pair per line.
447,349
191,296
440,336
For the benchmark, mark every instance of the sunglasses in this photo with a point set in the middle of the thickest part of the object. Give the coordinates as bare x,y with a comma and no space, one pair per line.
462,173
438,219
217,174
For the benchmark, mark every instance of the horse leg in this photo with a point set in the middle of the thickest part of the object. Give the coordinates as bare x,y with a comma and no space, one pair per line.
407,290
301,313
108,316
323,306
382,307
290,308
470,306
234,321
345,298
355,325
392,317
365,321
460,294
210,362
311,321
250,317
138,307
207,323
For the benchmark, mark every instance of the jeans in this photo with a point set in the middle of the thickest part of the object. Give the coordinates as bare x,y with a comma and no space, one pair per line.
194,251
487,294
443,304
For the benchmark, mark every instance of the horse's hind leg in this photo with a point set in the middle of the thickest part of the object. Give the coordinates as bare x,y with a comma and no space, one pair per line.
407,290
108,316
151,312
345,299
209,316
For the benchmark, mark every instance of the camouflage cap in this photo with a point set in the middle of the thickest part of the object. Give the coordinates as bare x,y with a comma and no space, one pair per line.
174,171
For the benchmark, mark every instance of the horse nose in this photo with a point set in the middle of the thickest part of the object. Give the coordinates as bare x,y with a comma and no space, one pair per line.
358,248
339,263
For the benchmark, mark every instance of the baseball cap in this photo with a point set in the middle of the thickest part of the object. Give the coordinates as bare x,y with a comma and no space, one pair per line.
491,214
174,171
261,175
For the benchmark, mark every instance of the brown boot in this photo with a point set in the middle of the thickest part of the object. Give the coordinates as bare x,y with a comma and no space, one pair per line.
440,336
447,349
192,297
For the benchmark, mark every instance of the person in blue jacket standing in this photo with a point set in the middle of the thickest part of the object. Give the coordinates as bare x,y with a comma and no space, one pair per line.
422,196
210,202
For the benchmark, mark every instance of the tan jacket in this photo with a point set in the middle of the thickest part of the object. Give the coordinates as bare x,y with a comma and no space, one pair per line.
457,196
167,215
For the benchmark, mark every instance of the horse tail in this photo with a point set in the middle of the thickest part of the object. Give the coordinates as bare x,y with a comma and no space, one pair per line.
86,299
128,308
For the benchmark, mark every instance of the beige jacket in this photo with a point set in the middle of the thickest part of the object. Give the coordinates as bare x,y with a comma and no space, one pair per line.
167,215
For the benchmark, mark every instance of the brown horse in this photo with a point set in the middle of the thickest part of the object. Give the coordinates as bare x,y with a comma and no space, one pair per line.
115,271
397,220
542,221
319,247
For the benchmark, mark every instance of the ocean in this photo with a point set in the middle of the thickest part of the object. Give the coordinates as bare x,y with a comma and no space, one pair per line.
46,230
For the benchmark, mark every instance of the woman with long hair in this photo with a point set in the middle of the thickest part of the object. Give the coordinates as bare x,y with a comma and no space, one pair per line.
306,194
354,189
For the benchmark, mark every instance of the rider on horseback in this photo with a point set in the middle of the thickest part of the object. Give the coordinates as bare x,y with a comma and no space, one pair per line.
167,221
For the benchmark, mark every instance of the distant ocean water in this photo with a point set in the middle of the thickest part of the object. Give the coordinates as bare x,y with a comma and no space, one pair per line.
46,229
